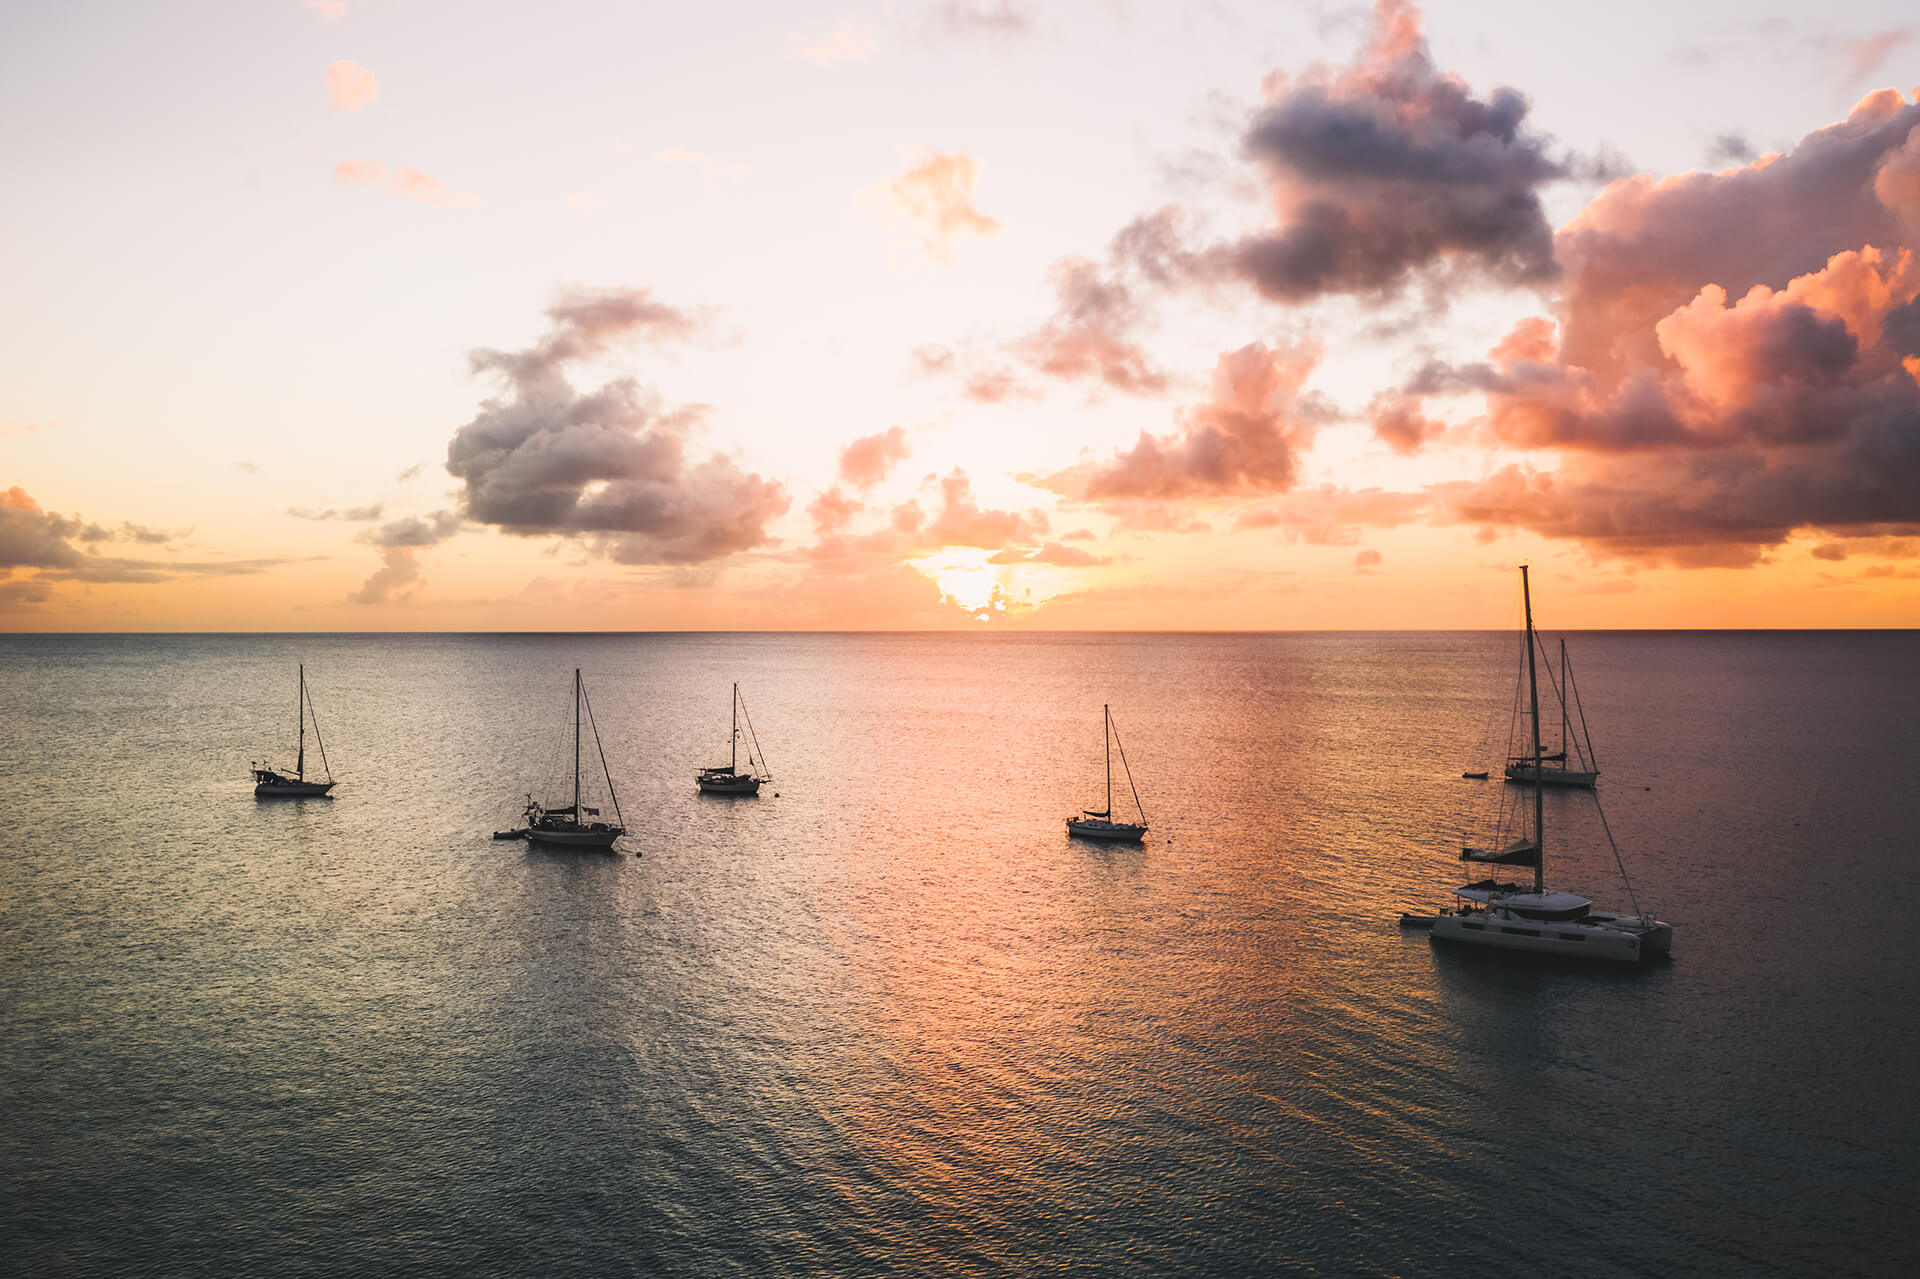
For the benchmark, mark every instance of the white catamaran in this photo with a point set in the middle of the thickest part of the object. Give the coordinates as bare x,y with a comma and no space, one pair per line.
1572,764
1100,825
569,827
1535,918
730,780
271,783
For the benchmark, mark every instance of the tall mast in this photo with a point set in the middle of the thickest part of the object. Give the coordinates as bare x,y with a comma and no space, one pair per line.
1106,728
576,744
300,712
733,760
1539,781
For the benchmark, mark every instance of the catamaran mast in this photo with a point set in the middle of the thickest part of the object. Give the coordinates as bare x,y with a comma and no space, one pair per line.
300,713
576,744
1539,780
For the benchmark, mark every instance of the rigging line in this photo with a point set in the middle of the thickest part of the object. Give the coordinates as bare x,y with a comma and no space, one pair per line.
1592,760
1560,694
316,734
1129,768
1617,861
755,737
604,770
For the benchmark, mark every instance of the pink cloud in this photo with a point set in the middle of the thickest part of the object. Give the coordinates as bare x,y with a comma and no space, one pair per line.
833,510
351,86
408,184
1246,438
936,197
1055,553
866,461
843,44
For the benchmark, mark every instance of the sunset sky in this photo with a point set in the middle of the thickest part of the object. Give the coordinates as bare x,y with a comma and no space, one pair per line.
408,315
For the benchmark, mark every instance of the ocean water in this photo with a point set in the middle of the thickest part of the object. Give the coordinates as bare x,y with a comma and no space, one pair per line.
887,1017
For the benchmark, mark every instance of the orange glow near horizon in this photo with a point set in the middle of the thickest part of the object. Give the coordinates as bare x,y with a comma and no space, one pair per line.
937,363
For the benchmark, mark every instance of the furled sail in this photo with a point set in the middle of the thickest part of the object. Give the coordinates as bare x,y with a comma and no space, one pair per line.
1521,852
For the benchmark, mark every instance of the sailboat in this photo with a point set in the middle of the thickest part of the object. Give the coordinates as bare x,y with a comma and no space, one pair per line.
1558,768
1092,824
1517,916
730,780
569,827
270,783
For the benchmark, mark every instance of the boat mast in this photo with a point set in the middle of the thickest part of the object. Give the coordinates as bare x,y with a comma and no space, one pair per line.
300,712
1106,728
733,760
576,744
1539,781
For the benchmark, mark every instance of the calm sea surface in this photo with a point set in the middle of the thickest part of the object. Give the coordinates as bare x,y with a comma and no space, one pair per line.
892,1018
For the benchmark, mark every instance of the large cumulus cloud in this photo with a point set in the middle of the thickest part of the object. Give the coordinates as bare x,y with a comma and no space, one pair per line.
1735,358
612,464
1389,168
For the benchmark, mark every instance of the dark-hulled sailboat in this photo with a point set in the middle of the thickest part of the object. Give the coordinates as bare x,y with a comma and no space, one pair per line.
272,783
571,826
1099,824
730,780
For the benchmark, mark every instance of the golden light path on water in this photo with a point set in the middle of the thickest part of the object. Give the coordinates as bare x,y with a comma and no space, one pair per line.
887,1015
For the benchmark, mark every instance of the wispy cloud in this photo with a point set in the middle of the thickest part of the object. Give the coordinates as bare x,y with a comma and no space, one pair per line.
352,513
844,44
41,544
351,86
935,200
407,184
705,166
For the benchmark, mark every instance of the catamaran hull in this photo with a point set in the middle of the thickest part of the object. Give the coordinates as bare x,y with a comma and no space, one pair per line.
746,786
291,790
1547,937
1551,776
1113,832
574,838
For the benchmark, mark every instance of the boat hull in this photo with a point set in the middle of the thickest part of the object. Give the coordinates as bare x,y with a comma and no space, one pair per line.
728,785
1573,939
1551,776
1111,832
574,838
291,790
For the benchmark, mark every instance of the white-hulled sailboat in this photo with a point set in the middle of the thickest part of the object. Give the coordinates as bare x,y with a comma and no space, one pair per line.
1535,918
730,780
1571,765
270,783
568,827
1092,824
